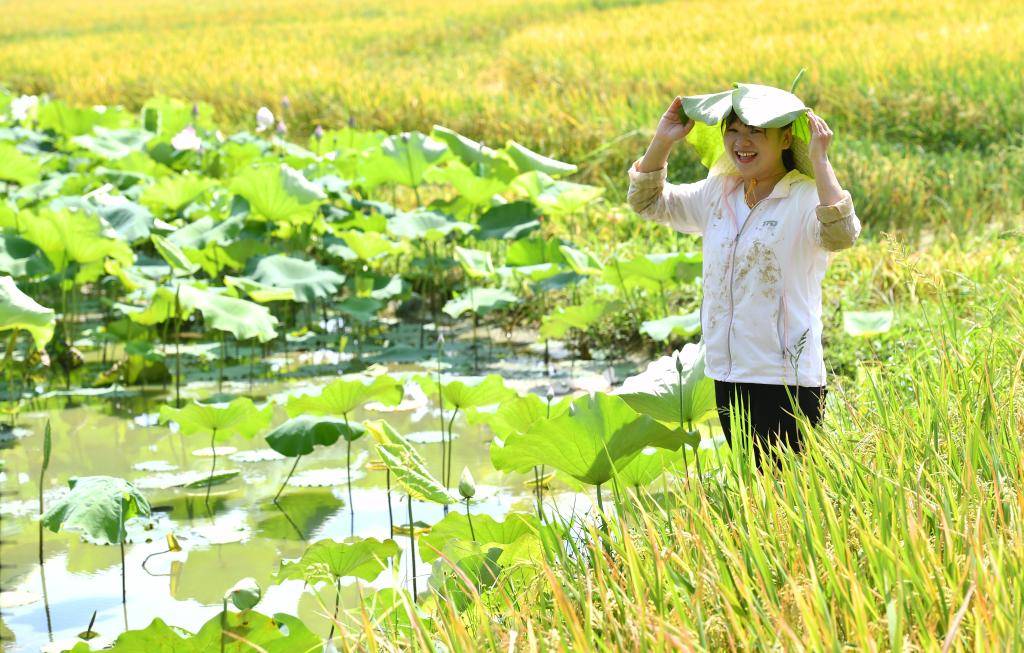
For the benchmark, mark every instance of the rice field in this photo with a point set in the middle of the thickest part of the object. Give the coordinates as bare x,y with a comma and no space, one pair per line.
294,390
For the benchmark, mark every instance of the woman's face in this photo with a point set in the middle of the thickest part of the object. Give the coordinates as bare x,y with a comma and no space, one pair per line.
756,151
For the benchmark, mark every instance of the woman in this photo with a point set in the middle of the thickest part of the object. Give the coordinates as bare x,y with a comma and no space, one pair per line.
770,211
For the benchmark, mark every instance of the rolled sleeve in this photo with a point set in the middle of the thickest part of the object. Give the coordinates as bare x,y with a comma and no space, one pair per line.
676,205
837,225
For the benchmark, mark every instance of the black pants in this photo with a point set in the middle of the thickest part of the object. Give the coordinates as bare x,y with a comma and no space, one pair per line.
771,413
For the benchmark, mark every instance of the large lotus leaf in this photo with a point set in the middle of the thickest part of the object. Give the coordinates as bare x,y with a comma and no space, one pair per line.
555,196
557,324
534,251
240,416
19,311
600,434
66,237
467,392
326,561
708,109
229,632
278,193
427,225
509,221
517,414
113,143
475,189
662,267
486,530
407,466
71,121
130,220
168,116
581,261
243,319
656,391
298,435
674,325
403,159
344,395
172,194
766,106
348,139
97,506
259,292
480,301
168,251
17,167
865,324
206,231
21,258
483,160
648,465
361,309
527,160
476,263
309,281
369,245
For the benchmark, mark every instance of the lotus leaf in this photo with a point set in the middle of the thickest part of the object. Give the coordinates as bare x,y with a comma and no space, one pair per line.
678,325
509,221
488,531
98,507
19,311
278,193
864,324
346,394
240,417
557,324
656,392
480,301
326,561
309,281
298,435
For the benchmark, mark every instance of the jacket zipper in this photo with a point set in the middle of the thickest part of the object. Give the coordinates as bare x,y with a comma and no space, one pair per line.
732,275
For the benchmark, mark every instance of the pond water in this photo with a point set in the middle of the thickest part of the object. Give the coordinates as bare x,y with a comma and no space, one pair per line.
242,533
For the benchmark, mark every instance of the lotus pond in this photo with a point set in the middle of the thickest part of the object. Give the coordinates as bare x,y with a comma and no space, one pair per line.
356,384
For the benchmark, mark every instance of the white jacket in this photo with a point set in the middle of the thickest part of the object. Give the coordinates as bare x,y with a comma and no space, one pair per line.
761,312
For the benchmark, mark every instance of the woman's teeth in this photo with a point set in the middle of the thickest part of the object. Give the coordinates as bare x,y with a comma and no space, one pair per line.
745,157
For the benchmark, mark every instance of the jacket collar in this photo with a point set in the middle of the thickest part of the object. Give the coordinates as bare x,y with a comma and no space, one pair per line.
781,188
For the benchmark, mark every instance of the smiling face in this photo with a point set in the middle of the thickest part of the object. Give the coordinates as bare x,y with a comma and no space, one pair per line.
756,151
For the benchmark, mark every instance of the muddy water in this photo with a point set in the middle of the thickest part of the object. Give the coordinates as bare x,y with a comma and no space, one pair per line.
242,533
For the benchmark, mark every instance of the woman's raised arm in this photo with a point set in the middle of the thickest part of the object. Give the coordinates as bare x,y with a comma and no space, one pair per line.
676,205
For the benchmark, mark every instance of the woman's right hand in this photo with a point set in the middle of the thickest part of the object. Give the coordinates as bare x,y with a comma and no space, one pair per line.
671,127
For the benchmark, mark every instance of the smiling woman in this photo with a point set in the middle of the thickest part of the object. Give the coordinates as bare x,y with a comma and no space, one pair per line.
765,248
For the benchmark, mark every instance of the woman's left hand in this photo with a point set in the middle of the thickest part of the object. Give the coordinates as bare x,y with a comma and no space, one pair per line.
821,137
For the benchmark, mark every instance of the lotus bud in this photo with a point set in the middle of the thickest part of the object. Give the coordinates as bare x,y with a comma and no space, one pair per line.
264,119
679,363
318,133
405,137
281,128
286,104
440,340
172,543
467,486
195,111
551,392
187,140
244,594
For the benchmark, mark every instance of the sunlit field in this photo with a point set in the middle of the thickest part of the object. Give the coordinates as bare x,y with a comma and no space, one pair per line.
401,382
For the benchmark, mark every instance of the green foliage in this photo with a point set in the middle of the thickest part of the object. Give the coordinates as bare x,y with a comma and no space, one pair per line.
18,312
344,395
600,434
298,435
98,507
239,417
326,561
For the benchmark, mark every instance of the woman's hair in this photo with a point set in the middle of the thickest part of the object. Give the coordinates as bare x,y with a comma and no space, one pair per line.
787,154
